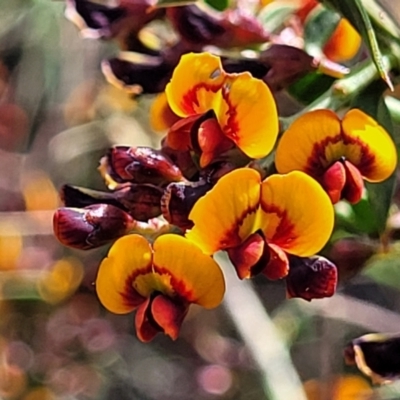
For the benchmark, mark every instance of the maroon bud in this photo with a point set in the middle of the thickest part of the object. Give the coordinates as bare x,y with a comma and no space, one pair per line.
139,165
179,199
92,226
311,277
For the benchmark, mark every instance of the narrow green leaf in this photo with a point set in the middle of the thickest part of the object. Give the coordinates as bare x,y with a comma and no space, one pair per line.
274,15
219,5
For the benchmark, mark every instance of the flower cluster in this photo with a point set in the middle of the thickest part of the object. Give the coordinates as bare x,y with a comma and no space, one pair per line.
208,186
223,179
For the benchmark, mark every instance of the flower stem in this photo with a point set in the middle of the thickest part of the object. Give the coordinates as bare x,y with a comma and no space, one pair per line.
280,379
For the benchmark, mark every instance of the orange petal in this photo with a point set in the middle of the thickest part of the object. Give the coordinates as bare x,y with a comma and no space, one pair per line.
344,43
168,315
226,214
278,265
248,114
297,214
195,84
311,144
127,257
146,329
368,146
161,115
354,186
194,276
333,181
247,256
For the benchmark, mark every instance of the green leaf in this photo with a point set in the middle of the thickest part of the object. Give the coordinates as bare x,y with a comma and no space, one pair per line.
310,87
380,195
219,5
173,3
356,13
319,27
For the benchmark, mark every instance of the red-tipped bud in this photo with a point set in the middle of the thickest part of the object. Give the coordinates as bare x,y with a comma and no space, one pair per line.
92,226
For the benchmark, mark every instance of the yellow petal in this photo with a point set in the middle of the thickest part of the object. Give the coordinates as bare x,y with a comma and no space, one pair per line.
368,146
195,84
127,257
310,144
248,114
297,213
226,214
195,276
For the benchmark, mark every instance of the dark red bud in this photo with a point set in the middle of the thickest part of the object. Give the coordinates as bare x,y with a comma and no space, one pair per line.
140,165
311,277
179,199
92,226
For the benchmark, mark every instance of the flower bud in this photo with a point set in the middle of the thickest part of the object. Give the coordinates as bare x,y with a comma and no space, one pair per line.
138,165
311,277
92,226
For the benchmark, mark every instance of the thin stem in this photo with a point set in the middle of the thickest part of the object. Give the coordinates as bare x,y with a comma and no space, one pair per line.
280,379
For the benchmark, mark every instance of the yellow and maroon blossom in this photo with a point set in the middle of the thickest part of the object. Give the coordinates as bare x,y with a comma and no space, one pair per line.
375,355
230,109
159,281
124,164
259,222
338,153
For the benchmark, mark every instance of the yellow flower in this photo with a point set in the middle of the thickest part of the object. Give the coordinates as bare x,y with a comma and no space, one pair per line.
338,153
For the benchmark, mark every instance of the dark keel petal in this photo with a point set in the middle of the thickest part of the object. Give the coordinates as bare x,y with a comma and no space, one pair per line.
376,355
311,277
92,226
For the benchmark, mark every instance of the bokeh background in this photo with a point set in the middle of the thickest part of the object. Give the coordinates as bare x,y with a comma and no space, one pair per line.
58,116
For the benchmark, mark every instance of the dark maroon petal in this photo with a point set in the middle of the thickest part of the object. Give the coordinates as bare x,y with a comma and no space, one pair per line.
311,277
92,226
178,200
376,355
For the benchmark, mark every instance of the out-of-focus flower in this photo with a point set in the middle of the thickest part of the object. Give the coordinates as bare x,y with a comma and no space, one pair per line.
199,26
125,164
257,223
376,355
344,43
338,153
159,280
344,387
239,109
96,20
311,277
92,226
13,381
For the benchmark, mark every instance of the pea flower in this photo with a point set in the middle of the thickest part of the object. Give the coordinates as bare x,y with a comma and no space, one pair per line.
339,154
230,109
258,222
160,281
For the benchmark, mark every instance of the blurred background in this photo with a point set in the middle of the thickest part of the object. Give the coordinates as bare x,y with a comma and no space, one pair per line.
58,116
